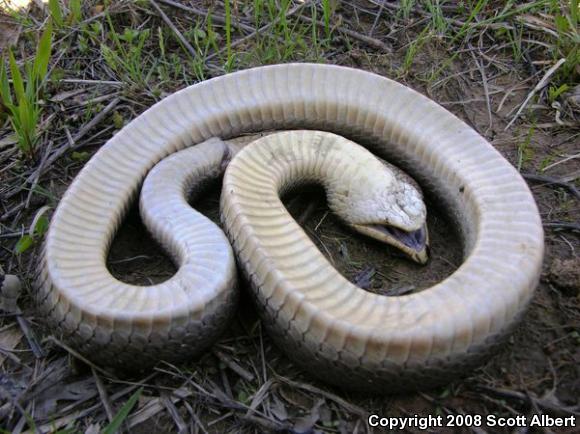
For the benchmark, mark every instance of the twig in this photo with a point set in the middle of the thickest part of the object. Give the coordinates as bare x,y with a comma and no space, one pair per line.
95,100
79,356
30,337
553,181
337,399
530,399
563,225
95,121
485,90
370,41
214,16
377,17
543,82
174,29
103,395
173,412
93,82
571,157
14,210
37,173
226,360
155,406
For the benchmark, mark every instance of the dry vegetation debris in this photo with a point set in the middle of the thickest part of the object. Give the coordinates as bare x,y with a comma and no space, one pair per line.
509,69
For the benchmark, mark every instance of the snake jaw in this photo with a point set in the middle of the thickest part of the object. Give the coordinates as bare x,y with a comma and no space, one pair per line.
415,244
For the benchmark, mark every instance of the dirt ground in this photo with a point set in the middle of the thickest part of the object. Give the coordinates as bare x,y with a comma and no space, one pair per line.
246,384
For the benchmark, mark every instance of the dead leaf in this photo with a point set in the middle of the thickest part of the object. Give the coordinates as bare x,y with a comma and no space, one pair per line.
97,9
93,428
9,32
9,339
278,409
305,425
8,140
79,391
61,96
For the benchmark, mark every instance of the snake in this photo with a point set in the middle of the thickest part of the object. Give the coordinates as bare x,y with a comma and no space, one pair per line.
336,127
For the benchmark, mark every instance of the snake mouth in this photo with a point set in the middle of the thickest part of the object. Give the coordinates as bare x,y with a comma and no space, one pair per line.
414,244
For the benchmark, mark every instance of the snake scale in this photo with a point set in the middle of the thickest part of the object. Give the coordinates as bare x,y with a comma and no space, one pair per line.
337,331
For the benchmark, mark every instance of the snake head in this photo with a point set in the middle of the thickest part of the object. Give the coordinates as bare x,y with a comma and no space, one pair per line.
388,209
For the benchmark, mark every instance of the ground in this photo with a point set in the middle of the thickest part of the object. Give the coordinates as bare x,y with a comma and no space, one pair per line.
508,70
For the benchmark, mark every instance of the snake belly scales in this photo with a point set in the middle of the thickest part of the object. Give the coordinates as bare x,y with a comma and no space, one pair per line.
337,331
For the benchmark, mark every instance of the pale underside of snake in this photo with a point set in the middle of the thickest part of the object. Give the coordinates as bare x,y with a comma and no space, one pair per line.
341,333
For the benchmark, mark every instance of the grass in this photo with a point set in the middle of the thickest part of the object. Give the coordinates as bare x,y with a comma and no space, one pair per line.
565,45
68,17
230,58
524,152
126,57
20,93
405,7
287,39
115,424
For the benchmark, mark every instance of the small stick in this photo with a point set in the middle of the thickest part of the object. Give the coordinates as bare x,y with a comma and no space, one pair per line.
373,42
530,399
79,356
104,396
94,82
14,210
377,17
215,17
230,363
485,90
571,157
97,99
549,180
563,225
173,412
543,82
155,406
37,173
96,120
30,337
174,29
337,399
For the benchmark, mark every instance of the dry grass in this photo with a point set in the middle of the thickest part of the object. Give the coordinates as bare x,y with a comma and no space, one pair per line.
497,65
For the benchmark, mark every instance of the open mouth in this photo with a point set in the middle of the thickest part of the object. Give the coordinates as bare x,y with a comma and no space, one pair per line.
415,240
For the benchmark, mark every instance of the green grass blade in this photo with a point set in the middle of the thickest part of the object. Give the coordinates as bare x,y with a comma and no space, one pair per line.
23,244
326,17
574,13
75,11
17,82
31,82
43,54
5,94
55,12
228,35
120,417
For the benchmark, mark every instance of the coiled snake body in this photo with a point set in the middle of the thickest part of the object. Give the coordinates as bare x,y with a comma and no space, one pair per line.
340,332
